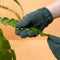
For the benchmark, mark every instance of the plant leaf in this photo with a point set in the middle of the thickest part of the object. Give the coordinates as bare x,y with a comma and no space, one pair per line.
1,56
5,48
13,54
12,22
4,7
3,41
7,21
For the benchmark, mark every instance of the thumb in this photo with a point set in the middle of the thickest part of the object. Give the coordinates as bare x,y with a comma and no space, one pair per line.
22,23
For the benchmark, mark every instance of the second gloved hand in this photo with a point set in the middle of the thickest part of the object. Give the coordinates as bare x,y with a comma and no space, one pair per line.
54,45
39,18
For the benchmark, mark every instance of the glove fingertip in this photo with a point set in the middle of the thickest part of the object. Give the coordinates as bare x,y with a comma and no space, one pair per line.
17,25
23,34
17,32
36,34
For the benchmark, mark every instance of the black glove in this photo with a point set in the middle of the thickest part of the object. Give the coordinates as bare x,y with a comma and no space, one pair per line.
39,18
54,45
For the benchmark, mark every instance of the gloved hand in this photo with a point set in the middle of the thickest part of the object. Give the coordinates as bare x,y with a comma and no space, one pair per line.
39,18
54,45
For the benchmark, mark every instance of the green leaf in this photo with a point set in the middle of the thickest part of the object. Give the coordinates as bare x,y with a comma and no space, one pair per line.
12,22
13,54
1,56
4,7
4,43
7,21
5,53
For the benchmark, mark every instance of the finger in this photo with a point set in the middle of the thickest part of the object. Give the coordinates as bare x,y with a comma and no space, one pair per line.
17,32
30,33
24,34
41,27
36,34
22,23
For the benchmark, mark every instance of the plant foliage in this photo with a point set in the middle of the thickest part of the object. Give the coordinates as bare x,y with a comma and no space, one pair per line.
7,21
12,23
6,53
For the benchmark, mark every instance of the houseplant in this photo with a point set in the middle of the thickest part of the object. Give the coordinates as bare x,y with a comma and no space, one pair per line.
4,43
6,53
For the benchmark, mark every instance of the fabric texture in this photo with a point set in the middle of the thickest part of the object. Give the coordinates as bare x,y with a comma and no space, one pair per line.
40,18
54,45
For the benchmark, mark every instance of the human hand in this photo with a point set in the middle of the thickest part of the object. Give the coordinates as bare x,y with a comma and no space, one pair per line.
39,19
54,45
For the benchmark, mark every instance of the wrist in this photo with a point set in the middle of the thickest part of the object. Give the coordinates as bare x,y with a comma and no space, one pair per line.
54,8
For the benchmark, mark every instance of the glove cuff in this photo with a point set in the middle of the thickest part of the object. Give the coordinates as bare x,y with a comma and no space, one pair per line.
48,18
54,45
